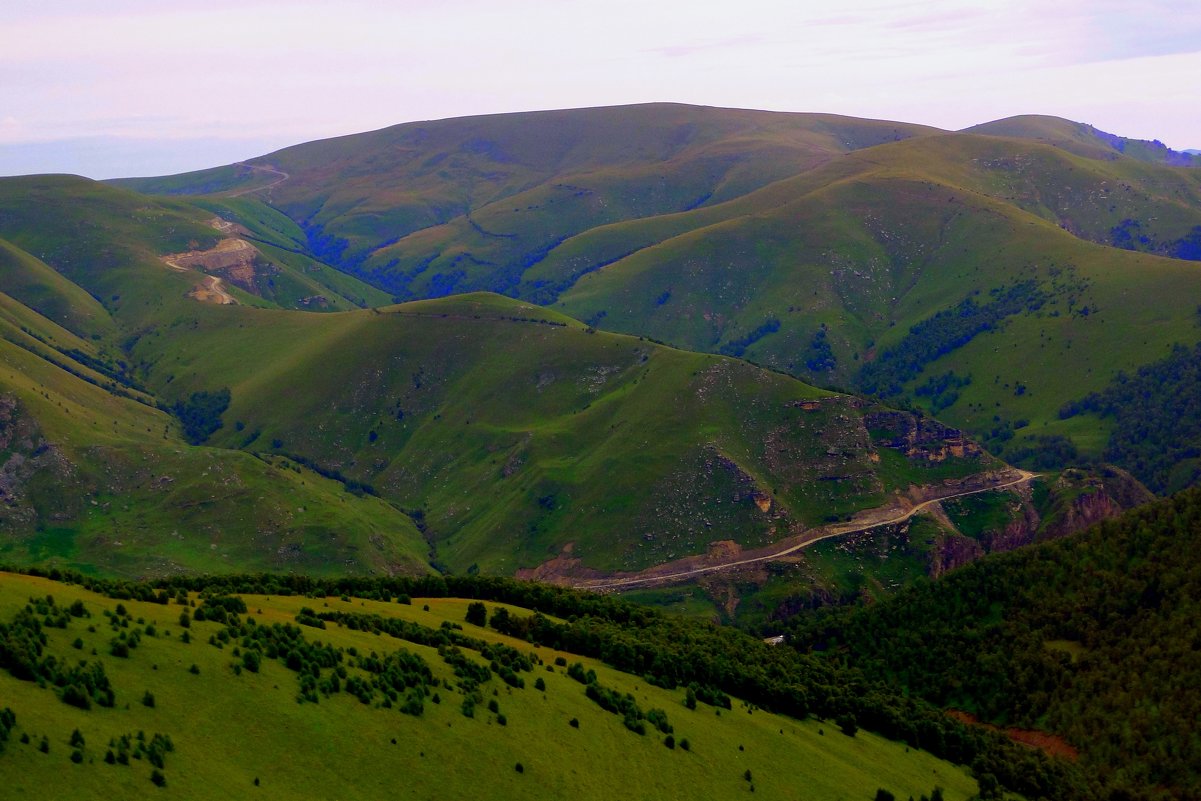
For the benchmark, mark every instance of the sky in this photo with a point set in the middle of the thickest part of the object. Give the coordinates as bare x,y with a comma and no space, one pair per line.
147,87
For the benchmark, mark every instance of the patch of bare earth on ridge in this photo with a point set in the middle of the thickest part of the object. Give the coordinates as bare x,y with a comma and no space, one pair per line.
232,259
1051,744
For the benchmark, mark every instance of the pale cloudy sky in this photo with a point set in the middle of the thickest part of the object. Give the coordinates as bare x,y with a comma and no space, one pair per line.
107,88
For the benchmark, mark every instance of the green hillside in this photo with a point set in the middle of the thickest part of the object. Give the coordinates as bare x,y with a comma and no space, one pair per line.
509,434
425,209
880,257
1084,139
516,433
892,273
217,694
1091,638
110,242
101,482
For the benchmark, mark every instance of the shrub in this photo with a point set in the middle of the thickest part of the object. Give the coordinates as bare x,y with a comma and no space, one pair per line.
477,614
74,695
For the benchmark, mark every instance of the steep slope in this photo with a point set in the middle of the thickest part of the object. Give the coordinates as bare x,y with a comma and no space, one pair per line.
239,700
1091,638
518,433
36,285
903,273
101,482
111,243
514,435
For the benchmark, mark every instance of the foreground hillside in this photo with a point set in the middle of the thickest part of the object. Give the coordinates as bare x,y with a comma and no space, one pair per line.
212,695
1091,638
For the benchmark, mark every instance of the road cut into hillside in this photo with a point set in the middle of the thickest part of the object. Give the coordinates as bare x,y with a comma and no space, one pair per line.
727,555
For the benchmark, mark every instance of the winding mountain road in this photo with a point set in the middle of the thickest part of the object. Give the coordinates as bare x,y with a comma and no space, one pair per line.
283,176
837,531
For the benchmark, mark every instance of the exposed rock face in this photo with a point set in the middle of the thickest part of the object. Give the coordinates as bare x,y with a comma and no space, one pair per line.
234,260
1077,500
1085,498
919,437
24,453
954,551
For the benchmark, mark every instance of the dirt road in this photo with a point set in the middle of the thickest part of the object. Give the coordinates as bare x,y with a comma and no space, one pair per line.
283,176
212,290
810,538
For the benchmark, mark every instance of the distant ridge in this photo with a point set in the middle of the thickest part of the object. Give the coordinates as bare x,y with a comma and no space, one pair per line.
1085,140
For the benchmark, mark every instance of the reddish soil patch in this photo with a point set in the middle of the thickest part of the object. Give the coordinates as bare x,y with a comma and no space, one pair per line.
1048,743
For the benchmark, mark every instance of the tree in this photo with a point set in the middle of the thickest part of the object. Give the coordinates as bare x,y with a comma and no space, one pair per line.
477,614
500,620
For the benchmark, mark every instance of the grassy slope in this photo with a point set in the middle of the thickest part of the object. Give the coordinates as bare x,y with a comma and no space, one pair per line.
512,428
229,730
119,492
1084,139
108,241
873,253
517,431
283,242
841,227
43,290
476,194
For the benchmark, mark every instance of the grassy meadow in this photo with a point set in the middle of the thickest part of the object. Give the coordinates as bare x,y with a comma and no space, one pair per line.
245,734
